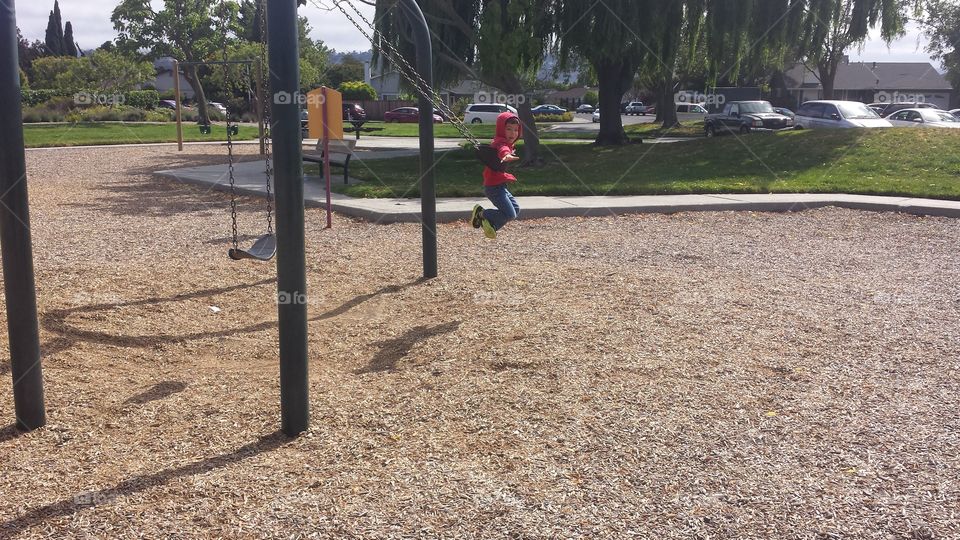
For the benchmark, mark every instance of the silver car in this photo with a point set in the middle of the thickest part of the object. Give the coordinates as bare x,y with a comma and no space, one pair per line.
838,114
931,118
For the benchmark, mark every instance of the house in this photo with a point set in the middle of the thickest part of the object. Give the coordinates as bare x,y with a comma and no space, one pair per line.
569,99
389,87
164,80
867,82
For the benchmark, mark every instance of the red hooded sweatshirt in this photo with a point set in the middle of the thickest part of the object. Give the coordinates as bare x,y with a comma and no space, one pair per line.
504,148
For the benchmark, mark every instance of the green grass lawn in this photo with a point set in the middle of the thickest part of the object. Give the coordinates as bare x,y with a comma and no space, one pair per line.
447,131
655,130
36,136
906,161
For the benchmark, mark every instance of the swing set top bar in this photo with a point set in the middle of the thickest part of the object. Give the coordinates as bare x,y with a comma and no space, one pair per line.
215,62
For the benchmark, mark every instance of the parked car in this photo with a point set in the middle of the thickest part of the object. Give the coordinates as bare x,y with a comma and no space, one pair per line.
932,118
690,111
786,112
623,107
745,117
894,107
479,113
878,107
955,112
354,112
219,107
636,107
838,114
408,115
167,104
585,108
596,115
542,110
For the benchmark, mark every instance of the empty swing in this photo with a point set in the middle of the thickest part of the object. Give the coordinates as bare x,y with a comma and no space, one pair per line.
265,247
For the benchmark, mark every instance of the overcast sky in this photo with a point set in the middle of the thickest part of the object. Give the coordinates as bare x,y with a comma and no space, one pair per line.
91,22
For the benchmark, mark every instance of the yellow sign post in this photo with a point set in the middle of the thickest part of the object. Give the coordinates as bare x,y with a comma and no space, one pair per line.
325,100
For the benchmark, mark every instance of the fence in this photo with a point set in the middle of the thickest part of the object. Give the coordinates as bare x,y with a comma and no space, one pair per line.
375,109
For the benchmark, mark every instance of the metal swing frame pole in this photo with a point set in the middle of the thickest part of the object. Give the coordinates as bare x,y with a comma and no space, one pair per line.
288,179
326,155
17,249
428,190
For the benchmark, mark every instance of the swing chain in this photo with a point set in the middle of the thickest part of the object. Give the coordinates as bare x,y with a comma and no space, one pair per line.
394,56
233,187
265,107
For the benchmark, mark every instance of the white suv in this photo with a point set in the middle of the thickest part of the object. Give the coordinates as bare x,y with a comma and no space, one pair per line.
479,113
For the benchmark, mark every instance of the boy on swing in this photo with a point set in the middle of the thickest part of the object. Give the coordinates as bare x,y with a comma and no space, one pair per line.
495,182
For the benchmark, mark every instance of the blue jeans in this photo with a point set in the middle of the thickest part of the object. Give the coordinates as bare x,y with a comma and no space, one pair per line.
507,207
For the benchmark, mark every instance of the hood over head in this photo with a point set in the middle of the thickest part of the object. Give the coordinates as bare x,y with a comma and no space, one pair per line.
502,126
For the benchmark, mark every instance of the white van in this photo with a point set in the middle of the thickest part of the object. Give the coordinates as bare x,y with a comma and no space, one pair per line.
485,113
838,114
690,112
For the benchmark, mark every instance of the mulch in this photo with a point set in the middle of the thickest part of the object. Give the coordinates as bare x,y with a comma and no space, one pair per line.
697,375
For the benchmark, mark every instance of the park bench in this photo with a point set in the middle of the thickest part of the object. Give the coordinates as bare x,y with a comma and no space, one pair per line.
340,153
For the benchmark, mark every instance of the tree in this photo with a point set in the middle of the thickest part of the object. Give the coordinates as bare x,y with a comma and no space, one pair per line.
627,37
188,30
69,47
54,35
831,27
591,98
28,52
941,24
501,43
357,90
349,69
611,39
101,71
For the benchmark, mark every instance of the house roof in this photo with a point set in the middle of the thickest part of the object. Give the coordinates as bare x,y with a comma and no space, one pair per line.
872,76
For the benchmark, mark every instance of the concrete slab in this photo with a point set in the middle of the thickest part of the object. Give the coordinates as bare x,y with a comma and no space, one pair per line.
249,180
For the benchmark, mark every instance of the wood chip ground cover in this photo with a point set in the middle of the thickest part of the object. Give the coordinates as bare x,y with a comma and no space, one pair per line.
714,375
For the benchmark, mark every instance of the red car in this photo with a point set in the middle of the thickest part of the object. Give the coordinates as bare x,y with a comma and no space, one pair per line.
408,114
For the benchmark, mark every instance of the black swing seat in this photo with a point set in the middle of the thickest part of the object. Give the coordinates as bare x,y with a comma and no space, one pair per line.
488,156
262,250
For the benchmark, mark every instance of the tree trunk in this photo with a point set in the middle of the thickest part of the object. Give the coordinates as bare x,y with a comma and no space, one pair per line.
531,138
190,74
666,109
828,74
611,79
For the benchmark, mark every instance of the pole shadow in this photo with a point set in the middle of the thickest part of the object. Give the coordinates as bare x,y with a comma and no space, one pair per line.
393,350
55,321
137,484
156,392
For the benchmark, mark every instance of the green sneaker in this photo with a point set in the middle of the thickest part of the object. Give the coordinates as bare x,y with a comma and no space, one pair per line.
476,216
488,229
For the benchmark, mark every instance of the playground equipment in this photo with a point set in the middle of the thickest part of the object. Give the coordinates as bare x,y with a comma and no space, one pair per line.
266,246
205,128
21,304
17,250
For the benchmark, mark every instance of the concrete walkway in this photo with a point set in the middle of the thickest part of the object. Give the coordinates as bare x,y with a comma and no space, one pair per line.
249,178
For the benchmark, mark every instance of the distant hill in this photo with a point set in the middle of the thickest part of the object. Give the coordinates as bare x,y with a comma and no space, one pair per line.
363,56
